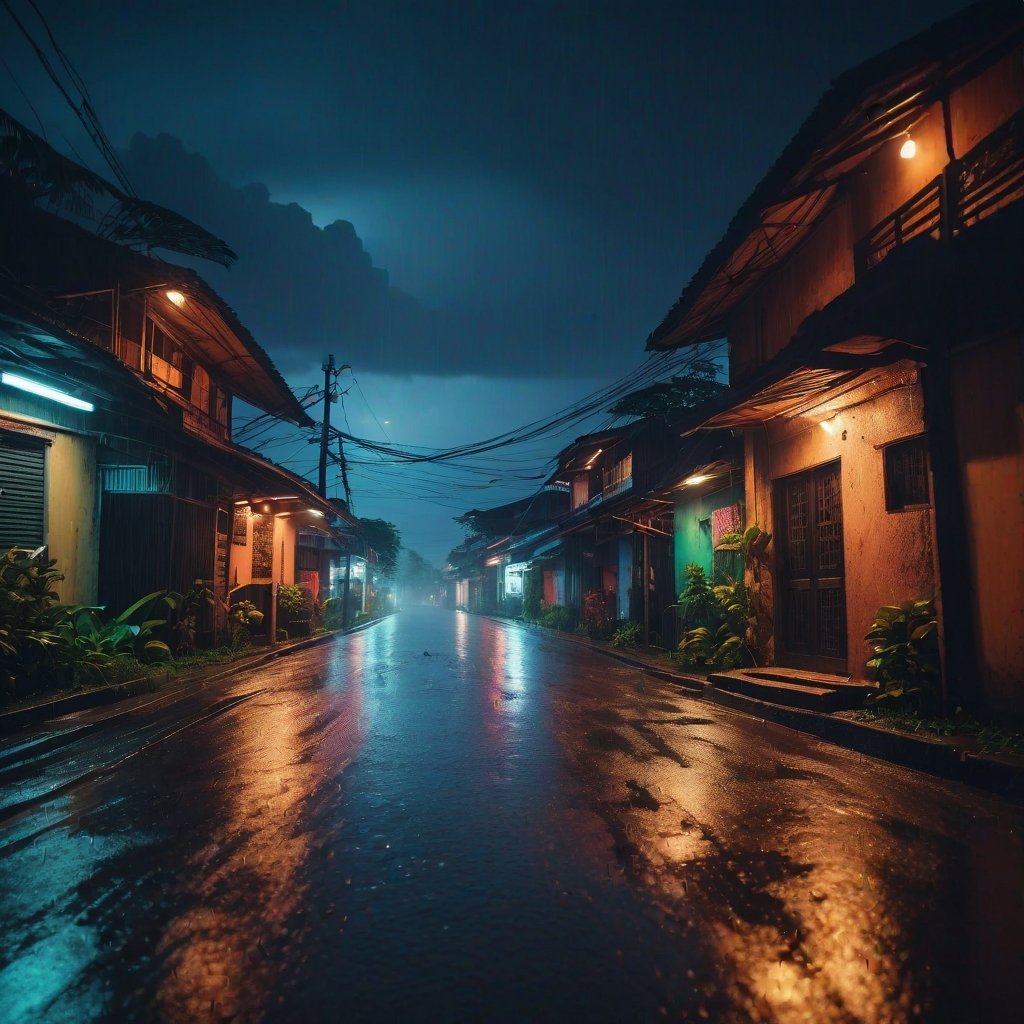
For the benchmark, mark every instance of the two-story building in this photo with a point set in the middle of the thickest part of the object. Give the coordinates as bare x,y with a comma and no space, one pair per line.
869,291
119,372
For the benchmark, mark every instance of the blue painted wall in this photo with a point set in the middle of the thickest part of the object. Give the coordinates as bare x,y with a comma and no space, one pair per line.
692,528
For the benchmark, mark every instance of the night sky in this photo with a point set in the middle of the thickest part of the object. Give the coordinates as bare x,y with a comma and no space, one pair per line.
483,208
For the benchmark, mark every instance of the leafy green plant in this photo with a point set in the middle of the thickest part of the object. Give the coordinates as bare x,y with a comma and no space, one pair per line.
556,616
291,599
245,617
697,601
628,635
28,607
92,643
720,648
332,613
188,607
533,593
905,665
720,642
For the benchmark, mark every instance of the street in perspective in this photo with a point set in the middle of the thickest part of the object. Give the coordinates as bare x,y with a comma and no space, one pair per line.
511,512
447,817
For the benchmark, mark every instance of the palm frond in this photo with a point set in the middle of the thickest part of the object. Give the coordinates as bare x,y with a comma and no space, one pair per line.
44,174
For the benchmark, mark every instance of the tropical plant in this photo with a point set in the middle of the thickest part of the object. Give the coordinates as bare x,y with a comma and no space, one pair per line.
291,599
245,617
557,616
720,641
187,607
905,665
28,606
333,613
92,642
533,593
627,635
697,601
712,648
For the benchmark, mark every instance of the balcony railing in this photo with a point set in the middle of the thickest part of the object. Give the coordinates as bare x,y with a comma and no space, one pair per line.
203,425
982,181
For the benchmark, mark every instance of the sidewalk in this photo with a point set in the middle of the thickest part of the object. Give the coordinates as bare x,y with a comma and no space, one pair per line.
955,757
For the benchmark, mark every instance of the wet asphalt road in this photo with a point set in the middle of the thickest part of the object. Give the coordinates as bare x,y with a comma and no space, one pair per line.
444,818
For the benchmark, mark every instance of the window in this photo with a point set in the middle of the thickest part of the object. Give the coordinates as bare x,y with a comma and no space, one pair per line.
906,474
168,361
619,477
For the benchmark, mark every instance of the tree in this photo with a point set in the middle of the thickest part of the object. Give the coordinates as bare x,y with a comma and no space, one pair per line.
699,385
416,576
385,540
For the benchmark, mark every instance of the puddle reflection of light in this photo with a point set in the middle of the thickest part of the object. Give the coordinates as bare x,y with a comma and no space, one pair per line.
461,635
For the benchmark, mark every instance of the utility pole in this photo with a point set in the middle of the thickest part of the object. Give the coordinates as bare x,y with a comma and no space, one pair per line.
325,430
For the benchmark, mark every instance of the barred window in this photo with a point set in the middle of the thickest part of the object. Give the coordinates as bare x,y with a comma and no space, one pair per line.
906,474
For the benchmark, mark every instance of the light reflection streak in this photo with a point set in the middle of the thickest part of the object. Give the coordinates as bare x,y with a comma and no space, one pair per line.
249,876
806,906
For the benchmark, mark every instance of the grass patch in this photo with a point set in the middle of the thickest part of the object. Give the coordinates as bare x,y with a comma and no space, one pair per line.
991,736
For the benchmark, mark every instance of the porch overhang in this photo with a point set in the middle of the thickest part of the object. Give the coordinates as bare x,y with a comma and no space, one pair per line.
866,108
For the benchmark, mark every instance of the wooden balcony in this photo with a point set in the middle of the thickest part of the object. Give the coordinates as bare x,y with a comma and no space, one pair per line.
967,191
201,424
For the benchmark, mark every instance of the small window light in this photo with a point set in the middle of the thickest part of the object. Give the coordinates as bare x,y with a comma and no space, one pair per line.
909,148
176,297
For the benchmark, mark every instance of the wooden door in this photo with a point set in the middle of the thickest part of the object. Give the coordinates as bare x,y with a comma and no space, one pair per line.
812,584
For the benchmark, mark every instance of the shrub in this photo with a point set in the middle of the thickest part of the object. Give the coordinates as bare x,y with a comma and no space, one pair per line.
556,616
697,601
533,593
627,635
245,617
29,644
720,642
905,665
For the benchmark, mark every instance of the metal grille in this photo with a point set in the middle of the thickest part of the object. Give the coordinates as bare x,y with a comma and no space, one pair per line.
829,523
22,489
797,519
906,474
831,622
798,620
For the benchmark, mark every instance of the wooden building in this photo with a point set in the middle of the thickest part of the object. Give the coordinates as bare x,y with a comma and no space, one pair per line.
869,292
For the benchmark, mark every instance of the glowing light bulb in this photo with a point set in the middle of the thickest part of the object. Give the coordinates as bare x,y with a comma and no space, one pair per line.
176,297
909,148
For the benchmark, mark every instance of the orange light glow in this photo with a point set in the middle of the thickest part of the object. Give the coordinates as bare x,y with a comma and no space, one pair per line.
909,149
176,297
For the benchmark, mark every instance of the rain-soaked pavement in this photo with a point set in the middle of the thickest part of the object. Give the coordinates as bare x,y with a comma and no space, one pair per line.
444,818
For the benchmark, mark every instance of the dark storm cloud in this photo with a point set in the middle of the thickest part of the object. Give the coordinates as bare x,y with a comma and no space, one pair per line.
303,289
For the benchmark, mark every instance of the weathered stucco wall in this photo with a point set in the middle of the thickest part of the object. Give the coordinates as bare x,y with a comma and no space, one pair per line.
988,403
888,556
692,528
73,516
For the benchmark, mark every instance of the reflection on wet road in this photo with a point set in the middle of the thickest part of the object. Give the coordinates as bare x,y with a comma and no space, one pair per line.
446,818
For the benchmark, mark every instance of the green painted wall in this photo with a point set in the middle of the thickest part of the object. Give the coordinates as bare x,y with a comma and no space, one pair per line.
693,527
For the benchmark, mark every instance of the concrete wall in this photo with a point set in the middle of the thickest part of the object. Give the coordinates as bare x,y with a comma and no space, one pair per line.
990,376
73,516
889,556
692,539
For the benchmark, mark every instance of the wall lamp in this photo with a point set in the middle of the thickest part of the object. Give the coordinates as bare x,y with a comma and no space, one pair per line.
909,148
35,388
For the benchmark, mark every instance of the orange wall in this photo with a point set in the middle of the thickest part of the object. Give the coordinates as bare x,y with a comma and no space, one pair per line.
990,376
889,556
822,267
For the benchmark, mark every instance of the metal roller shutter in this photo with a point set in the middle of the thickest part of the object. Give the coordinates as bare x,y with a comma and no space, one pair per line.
22,492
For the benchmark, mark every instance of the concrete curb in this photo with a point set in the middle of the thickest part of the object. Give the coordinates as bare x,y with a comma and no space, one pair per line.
12,721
